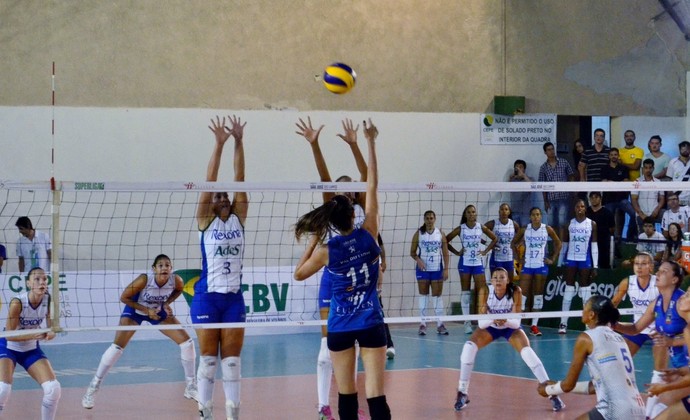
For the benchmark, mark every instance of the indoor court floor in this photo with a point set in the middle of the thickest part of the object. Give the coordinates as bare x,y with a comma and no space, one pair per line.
279,381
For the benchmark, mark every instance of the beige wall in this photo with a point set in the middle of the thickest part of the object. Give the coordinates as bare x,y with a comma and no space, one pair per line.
585,57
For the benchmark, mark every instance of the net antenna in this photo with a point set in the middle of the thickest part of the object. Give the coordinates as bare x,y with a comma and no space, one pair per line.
55,213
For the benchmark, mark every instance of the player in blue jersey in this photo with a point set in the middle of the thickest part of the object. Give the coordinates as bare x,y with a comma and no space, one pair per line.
609,363
324,365
148,298
471,264
668,323
355,313
28,311
218,294
500,297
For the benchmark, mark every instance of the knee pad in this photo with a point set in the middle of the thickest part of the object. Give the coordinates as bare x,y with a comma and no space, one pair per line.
51,392
187,351
469,353
207,368
530,357
538,302
230,368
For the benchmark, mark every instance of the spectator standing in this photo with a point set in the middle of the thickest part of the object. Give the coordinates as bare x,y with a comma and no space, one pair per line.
605,227
631,156
647,203
521,202
660,158
617,201
679,170
594,158
33,247
556,203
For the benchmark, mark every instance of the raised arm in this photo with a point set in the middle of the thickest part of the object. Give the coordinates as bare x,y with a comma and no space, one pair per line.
371,208
311,134
204,211
350,137
240,201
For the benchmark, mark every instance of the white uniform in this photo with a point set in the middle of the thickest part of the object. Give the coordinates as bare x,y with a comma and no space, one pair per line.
641,298
504,234
471,239
535,245
222,250
154,296
30,318
613,374
429,249
494,305
580,236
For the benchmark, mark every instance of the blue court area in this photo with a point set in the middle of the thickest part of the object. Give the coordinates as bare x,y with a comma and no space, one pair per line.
278,355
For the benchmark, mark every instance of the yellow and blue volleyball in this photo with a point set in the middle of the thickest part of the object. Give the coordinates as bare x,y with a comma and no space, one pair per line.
339,78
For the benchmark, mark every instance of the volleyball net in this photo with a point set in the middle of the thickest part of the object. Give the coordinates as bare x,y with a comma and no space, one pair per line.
107,233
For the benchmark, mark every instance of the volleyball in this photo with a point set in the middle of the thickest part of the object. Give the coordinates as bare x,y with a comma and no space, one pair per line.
339,78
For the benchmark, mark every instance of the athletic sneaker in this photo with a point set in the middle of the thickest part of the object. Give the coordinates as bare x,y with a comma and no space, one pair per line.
325,413
361,415
442,330
461,401
205,413
557,403
88,401
468,327
191,392
422,329
562,329
232,411
534,330
390,353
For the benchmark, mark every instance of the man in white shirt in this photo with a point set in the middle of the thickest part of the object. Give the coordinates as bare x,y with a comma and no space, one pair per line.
34,248
679,170
647,203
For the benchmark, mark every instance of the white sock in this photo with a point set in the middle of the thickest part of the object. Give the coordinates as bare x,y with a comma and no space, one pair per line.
585,293
439,305
422,305
231,368
5,391
188,357
109,358
469,353
51,397
324,374
568,295
534,363
465,297
356,360
206,378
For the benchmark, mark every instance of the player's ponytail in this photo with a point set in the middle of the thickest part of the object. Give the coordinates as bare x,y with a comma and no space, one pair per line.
606,312
337,212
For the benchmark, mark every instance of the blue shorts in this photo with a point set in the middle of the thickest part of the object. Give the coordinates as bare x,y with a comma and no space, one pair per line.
429,275
536,271
24,358
325,291
580,265
218,307
509,266
132,314
638,339
470,269
678,356
497,333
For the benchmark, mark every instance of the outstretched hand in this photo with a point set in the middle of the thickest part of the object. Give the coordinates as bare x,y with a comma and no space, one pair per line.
350,135
370,131
236,128
307,131
219,130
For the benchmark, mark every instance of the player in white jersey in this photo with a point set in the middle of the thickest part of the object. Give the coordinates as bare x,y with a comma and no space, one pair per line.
28,311
501,297
581,260
609,363
148,298
535,236
505,230
641,290
218,294
429,249
471,254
